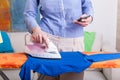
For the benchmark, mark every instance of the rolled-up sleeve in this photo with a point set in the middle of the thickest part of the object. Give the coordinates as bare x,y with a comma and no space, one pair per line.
87,7
30,14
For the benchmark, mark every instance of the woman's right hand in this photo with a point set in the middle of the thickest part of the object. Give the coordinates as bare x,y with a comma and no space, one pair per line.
39,37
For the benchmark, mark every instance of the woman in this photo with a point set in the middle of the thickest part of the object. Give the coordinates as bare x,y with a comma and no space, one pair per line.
62,22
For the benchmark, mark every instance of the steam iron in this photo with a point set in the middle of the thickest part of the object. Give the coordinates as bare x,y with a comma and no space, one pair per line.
38,50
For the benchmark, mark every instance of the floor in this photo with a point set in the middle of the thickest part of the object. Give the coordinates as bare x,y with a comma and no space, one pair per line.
16,77
13,74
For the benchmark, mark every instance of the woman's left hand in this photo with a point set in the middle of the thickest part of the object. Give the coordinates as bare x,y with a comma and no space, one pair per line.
84,20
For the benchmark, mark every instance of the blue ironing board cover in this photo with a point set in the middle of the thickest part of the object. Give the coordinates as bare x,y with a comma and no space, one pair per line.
70,62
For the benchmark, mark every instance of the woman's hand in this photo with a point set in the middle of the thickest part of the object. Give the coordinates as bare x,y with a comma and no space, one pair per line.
39,37
84,20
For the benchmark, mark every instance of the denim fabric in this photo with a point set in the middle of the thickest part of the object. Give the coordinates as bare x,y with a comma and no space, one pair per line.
70,62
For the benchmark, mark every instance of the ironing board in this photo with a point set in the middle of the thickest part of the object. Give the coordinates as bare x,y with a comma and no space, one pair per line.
11,61
70,62
16,60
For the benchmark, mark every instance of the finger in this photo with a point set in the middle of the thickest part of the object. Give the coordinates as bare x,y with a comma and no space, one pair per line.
84,20
40,39
84,24
45,41
33,38
78,22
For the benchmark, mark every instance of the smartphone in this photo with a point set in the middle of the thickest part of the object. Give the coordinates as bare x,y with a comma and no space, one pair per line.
80,20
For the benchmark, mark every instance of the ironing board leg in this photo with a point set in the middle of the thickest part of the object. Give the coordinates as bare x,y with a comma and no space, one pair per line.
41,77
3,75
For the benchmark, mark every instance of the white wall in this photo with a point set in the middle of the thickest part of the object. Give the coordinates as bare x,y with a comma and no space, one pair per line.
105,19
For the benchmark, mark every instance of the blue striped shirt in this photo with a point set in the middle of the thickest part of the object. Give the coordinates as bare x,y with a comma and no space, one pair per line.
57,16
